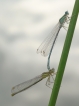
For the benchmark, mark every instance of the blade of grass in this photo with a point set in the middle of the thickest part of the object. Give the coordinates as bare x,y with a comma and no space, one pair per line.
64,55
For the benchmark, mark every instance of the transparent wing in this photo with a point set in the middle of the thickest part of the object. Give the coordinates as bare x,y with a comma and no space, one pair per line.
25,85
45,47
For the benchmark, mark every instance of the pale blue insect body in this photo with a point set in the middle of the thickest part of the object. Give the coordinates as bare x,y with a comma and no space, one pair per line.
62,20
47,45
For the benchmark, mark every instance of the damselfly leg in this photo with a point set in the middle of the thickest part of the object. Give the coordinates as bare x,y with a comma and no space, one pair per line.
48,82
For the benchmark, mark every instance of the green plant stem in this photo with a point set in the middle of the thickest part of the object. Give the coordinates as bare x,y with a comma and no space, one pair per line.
64,55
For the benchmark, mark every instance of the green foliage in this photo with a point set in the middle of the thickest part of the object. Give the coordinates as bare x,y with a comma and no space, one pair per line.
64,55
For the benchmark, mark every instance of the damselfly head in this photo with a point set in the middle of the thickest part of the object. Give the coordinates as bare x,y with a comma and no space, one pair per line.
66,13
52,70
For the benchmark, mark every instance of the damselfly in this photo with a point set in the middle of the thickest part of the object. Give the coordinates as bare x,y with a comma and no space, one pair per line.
47,45
25,85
